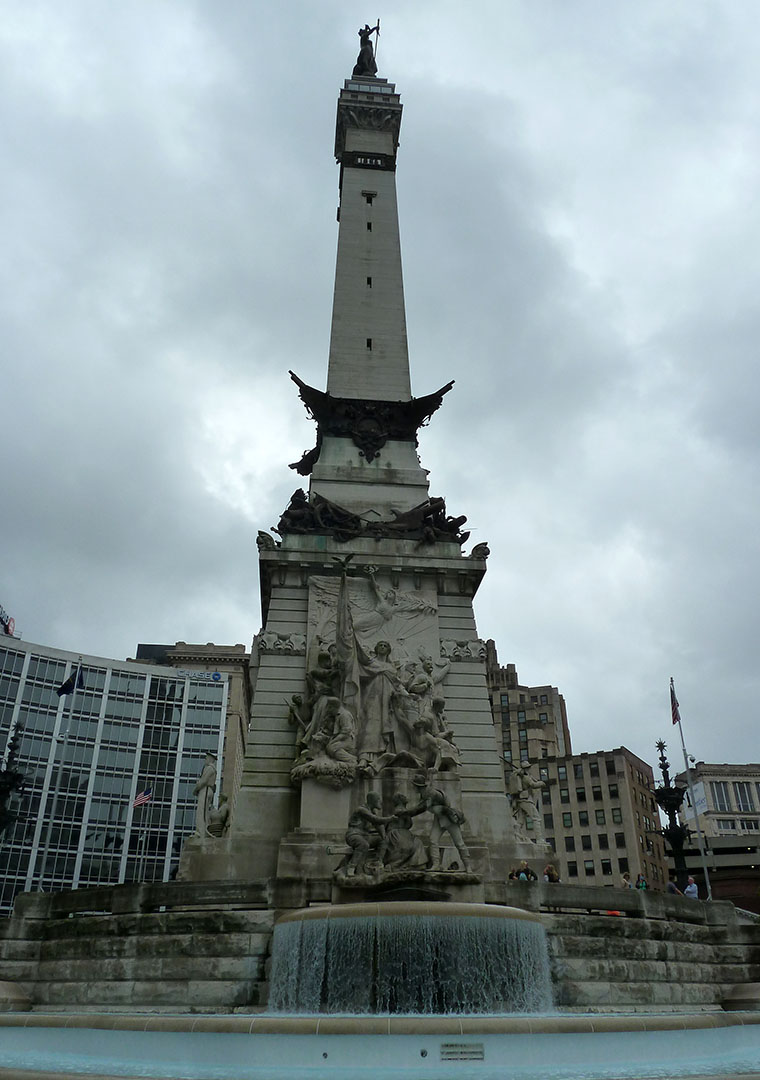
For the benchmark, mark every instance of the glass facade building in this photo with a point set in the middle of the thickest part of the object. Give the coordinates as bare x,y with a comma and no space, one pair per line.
87,756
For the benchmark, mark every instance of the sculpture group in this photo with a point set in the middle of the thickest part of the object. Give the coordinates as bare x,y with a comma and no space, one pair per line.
371,701
380,845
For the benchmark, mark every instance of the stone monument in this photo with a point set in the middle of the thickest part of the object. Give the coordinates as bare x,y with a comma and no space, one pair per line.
368,677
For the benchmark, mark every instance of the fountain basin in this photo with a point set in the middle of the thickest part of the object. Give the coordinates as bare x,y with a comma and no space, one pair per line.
410,957
598,1047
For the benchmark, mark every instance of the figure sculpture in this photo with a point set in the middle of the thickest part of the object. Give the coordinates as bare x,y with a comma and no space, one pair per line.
401,849
378,722
523,793
365,834
204,792
365,66
446,819
218,818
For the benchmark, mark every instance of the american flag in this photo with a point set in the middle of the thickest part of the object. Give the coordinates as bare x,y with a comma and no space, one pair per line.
674,704
143,797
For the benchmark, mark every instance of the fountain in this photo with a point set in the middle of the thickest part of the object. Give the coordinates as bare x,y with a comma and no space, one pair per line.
406,957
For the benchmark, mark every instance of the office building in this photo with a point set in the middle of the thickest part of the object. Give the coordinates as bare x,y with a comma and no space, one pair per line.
88,756
727,807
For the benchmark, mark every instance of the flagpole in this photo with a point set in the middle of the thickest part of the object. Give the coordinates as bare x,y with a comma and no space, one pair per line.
58,773
676,712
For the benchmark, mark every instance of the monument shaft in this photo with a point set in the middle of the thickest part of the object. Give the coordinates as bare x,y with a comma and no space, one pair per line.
372,754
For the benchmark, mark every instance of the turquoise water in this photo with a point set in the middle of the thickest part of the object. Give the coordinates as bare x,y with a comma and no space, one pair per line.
229,1056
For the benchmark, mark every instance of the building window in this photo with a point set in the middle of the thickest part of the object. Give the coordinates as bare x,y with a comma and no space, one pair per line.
606,867
544,751
726,824
369,282
578,770
743,796
369,196
543,772
507,755
750,824
588,867
504,700
612,791
617,815
522,699
564,794
524,757
522,735
543,717
567,821
551,843
544,699
562,772
534,698
619,839
597,793
572,869
580,794
600,819
520,716
569,843
719,791
583,817
623,865
546,798
369,344
610,767
603,841
593,768
586,842
548,821
369,226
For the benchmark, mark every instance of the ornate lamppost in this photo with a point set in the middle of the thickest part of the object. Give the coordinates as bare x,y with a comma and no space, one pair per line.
670,799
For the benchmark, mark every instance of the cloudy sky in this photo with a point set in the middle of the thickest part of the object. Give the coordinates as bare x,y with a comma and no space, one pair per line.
578,191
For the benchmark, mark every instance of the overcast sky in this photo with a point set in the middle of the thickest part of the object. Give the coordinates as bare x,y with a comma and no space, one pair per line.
578,192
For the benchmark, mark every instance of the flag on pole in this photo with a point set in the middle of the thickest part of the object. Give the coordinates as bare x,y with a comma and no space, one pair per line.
144,797
74,682
674,704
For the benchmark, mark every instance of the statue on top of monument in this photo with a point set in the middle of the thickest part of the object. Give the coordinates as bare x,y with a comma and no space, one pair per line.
365,62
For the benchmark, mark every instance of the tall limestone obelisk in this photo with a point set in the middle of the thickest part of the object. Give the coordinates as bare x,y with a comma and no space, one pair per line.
368,676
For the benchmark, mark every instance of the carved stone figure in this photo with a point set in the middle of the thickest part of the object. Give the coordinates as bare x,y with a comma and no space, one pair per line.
298,517
365,66
337,736
323,682
523,793
365,834
378,719
480,551
204,793
446,819
218,818
265,542
299,715
401,849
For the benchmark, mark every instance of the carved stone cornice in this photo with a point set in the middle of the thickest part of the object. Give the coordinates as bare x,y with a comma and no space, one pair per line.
369,424
384,116
473,649
294,644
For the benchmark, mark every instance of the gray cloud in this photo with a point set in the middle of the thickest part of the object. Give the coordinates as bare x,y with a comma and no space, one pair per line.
579,224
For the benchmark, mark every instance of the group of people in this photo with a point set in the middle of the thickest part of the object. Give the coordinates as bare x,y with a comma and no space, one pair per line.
641,883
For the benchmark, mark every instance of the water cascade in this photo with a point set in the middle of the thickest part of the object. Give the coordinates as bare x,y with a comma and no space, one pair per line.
410,957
